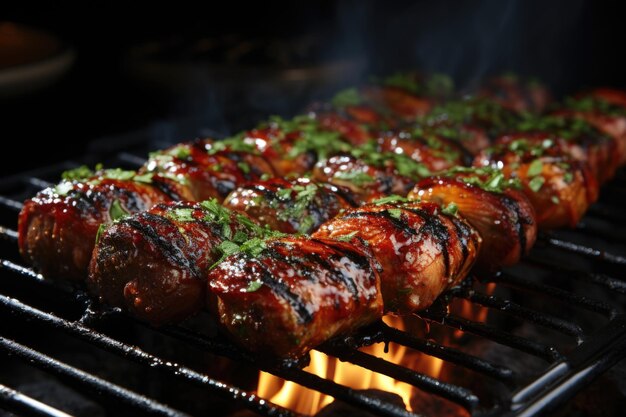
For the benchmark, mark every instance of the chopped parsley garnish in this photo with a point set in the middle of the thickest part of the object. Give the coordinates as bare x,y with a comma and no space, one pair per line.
451,209
298,199
118,174
244,167
568,177
181,214
347,97
117,211
100,231
180,152
254,285
487,178
63,188
80,173
396,213
394,198
555,199
536,183
144,178
358,178
535,168
347,237
235,143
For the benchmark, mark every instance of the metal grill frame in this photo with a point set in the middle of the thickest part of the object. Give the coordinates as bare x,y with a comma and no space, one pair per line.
564,375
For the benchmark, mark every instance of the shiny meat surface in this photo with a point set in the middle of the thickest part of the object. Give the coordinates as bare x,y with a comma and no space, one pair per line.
296,293
422,251
502,215
206,169
57,228
295,206
559,187
155,263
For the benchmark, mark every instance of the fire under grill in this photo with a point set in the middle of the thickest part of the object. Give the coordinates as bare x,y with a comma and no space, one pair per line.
517,344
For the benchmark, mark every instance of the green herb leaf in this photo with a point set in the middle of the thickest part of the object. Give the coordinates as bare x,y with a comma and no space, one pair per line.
358,178
535,168
244,167
568,177
555,199
394,198
117,211
100,231
254,286
536,183
396,213
118,174
63,188
180,152
347,237
253,247
181,214
76,174
144,178
451,209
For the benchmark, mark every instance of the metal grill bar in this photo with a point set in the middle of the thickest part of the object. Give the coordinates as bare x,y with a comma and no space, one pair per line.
17,402
459,395
614,284
586,251
135,354
540,350
84,380
584,302
449,354
509,307
340,392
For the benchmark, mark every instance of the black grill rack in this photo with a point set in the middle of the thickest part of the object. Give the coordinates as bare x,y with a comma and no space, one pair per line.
571,287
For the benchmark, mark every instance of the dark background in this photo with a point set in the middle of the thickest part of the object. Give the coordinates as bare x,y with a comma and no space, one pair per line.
569,44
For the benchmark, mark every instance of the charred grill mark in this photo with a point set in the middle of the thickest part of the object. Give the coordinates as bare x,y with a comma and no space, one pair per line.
265,191
281,290
337,274
306,270
166,189
433,226
342,193
171,251
463,233
399,224
514,207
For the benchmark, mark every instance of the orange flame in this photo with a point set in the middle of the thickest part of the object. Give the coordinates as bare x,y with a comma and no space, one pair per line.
305,401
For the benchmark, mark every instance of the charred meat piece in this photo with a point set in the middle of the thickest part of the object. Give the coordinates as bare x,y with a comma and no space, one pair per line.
607,116
434,152
577,138
473,123
207,169
293,293
516,93
400,102
57,228
296,206
365,180
155,263
559,187
501,213
422,250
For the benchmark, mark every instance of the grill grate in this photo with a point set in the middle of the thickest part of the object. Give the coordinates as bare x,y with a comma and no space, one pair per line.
592,345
